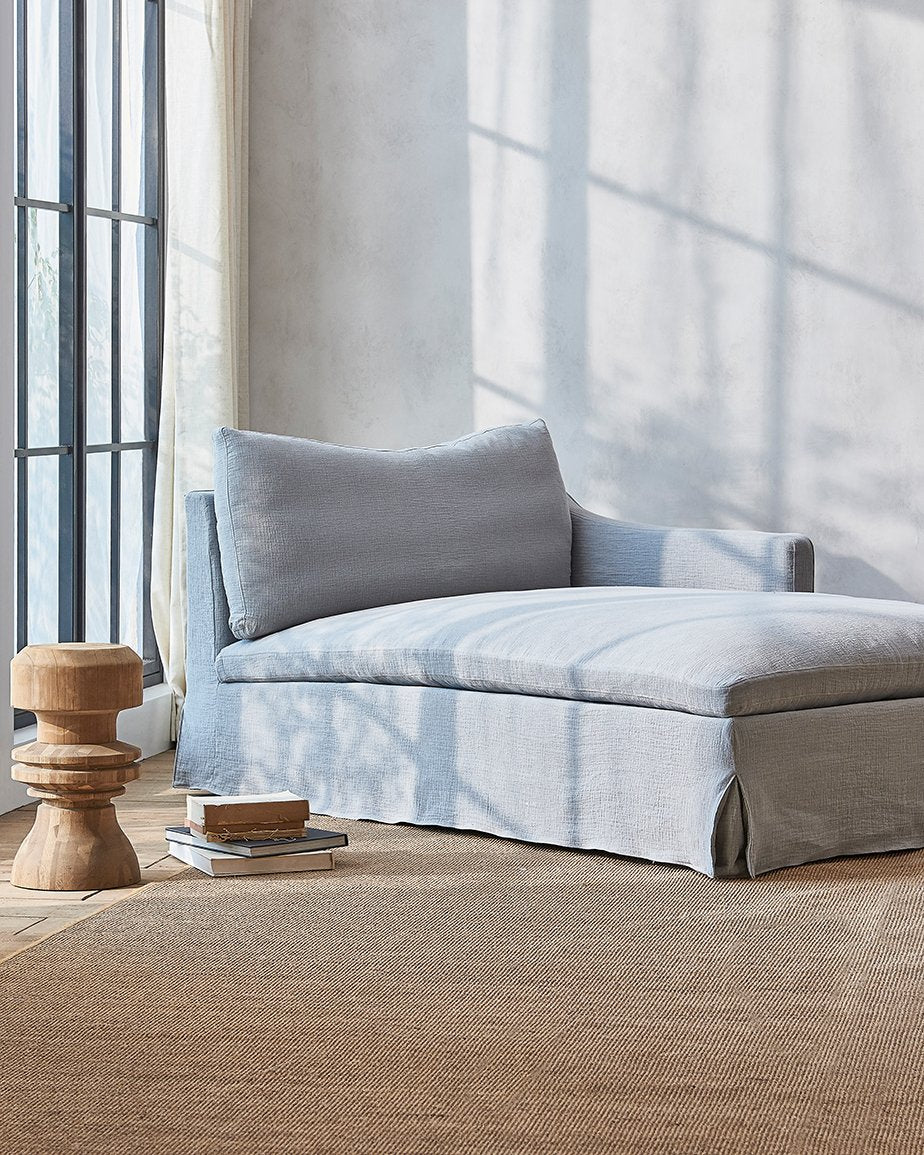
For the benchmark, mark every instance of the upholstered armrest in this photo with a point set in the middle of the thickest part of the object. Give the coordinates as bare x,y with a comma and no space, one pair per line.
207,630
608,552
207,633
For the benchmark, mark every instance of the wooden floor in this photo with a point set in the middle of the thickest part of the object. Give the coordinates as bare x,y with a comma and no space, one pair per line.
148,805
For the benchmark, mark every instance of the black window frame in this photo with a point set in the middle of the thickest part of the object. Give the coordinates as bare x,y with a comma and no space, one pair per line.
73,212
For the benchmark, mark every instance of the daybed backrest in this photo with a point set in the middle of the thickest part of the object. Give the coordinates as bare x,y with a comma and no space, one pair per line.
308,530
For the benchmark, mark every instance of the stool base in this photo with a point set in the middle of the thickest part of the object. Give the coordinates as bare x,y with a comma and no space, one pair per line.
76,842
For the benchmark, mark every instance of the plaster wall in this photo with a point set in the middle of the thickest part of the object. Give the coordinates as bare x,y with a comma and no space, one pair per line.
688,234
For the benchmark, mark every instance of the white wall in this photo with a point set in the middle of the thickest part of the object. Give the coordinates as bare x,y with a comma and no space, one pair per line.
360,296
689,234
11,793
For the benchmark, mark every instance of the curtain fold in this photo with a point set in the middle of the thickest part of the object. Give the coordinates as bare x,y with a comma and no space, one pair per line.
205,350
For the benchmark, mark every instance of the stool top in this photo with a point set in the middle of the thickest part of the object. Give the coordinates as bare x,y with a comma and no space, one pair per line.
76,677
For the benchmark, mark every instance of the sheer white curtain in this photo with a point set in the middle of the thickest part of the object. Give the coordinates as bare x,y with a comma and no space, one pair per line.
205,307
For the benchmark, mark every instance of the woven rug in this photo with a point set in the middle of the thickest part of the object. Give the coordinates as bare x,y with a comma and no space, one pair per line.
450,993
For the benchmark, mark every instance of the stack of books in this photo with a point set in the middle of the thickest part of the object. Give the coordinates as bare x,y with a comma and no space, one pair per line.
251,834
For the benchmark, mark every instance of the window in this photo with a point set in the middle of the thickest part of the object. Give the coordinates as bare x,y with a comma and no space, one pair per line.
89,258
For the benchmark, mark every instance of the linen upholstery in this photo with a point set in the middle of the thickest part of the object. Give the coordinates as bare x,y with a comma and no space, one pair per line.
542,769
308,530
716,653
207,630
723,795
609,552
734,795
822,783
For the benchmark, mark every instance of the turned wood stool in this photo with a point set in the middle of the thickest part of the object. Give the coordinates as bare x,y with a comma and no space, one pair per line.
76,766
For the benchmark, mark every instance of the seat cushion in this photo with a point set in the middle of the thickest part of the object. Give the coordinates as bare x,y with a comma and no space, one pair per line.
307,530
700,651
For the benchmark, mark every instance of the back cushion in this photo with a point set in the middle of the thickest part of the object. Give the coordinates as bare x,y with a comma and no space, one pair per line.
307,530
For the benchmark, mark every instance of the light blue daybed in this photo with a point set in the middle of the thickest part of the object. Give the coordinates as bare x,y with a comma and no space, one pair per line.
442,636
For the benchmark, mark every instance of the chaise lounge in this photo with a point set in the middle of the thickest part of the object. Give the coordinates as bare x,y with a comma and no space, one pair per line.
443,636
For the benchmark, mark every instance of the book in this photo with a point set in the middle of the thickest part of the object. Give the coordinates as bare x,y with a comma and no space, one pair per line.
252,824
220,865
247,830
258,809
311,839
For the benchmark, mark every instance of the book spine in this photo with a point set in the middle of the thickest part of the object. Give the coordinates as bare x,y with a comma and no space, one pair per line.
223,865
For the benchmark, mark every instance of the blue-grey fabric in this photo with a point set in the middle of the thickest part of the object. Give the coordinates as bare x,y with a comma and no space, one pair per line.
545,770
308,530
718,653
722,795
606,552
821,783
207,629
736,795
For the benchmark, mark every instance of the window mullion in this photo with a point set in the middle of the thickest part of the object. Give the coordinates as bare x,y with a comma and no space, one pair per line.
80,319
69,552
22,334
115,497
154,242
37,203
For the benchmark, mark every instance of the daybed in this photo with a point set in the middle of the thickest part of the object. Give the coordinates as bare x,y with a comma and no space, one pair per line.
443,636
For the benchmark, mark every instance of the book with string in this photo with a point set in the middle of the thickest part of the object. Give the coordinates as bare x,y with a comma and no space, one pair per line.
308,839
240,812
251,834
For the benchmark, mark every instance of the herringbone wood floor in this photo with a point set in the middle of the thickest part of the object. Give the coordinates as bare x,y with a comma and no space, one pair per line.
148,805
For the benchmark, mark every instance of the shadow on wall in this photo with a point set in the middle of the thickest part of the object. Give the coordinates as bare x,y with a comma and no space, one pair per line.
911,8
689,236
726,327
852,575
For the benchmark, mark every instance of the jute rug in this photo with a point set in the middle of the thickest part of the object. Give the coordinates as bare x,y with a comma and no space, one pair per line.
450,993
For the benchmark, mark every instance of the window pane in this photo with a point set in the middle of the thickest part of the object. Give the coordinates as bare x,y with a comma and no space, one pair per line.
132,331
99,528
133,19
99,104
42,562
42,112
111,526
132,553
99,330
42,321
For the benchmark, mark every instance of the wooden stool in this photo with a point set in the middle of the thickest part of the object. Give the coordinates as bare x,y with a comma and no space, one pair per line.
76,766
